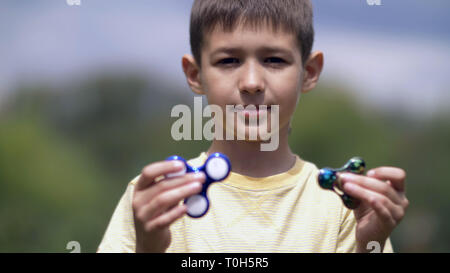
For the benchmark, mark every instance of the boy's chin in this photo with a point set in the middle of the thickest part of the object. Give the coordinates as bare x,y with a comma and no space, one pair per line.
252,134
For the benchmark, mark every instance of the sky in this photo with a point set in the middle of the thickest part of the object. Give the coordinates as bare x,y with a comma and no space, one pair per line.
394,56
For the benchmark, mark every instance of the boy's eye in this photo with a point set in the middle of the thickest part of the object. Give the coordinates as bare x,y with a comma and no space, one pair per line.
228,61
274,60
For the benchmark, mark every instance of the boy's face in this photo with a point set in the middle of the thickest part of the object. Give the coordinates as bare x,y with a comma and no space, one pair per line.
246,66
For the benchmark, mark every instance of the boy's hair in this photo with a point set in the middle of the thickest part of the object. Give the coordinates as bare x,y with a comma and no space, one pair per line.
294,16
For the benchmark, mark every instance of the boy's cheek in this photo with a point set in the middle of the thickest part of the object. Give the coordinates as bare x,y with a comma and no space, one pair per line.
219,96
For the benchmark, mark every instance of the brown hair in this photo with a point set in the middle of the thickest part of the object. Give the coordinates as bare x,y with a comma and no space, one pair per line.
294,16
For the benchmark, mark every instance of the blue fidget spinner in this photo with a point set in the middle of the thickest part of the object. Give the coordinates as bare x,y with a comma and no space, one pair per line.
216,168
329,180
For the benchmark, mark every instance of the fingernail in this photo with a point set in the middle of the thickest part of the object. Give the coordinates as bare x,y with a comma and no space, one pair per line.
371,173
177,163
195,185
199,175
345,176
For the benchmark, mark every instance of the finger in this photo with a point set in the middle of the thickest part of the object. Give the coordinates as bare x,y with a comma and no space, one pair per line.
145,196
371,184
154,170
384,214
166,219
375,201
397,176
167,199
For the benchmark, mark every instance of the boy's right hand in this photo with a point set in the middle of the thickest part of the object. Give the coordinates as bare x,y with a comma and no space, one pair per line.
156,205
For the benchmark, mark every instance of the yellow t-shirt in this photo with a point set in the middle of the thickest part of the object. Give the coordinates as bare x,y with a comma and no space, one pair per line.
287,212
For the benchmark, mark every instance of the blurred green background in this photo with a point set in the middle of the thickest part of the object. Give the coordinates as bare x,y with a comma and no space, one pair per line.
66,157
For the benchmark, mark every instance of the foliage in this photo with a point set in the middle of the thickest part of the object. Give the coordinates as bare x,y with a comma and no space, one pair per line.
67,154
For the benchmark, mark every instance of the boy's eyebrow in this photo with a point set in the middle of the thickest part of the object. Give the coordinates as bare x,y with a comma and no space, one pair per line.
228,50
275,49
264,49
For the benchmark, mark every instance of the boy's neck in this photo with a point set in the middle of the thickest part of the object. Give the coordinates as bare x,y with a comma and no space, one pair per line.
248,159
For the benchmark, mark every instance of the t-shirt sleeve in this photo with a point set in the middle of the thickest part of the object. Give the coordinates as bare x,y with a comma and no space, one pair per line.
120,235
347,239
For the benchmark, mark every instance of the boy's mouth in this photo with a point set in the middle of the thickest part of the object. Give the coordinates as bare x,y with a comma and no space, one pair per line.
254,110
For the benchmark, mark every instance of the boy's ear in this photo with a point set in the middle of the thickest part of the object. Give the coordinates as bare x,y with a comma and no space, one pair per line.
313,68
192,72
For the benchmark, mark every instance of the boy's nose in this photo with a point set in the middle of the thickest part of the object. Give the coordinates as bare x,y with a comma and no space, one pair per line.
252,79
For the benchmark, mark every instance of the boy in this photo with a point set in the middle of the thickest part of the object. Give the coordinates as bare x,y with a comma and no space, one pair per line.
255,53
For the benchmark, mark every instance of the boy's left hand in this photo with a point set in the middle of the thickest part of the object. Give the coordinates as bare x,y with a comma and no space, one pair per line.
383,203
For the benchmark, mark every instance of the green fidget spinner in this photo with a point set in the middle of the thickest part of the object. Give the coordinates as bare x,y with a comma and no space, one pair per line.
329,180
